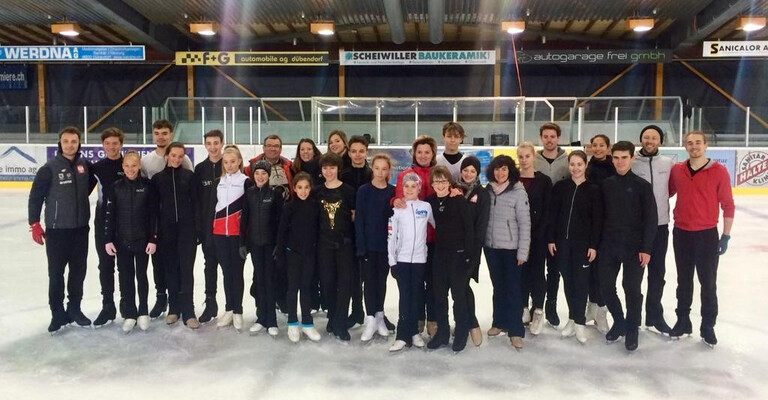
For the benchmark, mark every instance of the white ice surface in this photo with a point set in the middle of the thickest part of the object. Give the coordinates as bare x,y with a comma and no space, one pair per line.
213,364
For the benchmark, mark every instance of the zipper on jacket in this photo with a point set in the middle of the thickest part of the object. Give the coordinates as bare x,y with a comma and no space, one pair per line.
570,213
175,201
226,213
650,165
55,214
413,242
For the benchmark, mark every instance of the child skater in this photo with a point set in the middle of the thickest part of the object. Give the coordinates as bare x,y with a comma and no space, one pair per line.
454,242
229,198
407,255
258,231
131,234
177,189
371,216
297,242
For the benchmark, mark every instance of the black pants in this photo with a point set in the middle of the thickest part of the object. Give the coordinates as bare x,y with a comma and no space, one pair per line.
301,270
263,286
335,273
657,267
211,266
410,283
595,293
228,254
132,274
507,299
428,297
158,272
318,302
697,251
280,282
574,265
178,259
374,270
106,262
553,281
451,271
534,282
66,247
612,256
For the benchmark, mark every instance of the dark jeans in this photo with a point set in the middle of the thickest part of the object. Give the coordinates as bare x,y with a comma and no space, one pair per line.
66,247
179,251
452,272
263,286
410,283
210,270
654,311
534,282
575,267
335,273
228,254
301,270
106,262
375,270
612,256
697,251
132,273
427,310
507,296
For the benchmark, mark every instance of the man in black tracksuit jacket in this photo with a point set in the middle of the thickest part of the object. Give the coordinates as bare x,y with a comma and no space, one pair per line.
628,232
63,185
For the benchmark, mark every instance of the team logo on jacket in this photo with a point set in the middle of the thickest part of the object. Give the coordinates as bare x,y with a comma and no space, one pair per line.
753,169
80,169
421,213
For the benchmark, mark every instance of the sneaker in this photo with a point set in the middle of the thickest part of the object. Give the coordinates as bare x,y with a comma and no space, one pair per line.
128,325
616,332
569,330
256,328
107,315
171,319
161,304
397,346
343,335
708,337
370,328
417,341
601,319
630,341
59,319
682,327
477,336
591,312
143,322
431,328
381,324
581,333
273,331
237,322
192,323
438,341
77,316
226,319
210,311
526,316
516,342
551,314
310,332
494,331
537,322
294,334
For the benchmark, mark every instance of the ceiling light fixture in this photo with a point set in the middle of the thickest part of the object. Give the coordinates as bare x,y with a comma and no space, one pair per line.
322,28
751,23
640,24
69,29
513,27
204,28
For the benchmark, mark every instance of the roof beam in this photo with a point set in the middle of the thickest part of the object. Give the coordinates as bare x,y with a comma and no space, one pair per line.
162,38
394,12
689,33
436,20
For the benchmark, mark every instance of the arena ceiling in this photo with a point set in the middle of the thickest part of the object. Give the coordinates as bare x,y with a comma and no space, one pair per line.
164,25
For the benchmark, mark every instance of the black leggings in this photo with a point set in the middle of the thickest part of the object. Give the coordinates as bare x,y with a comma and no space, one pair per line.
375,270
263,286
177,243
335,274
132,274
534,282
228,254
301,270
575,267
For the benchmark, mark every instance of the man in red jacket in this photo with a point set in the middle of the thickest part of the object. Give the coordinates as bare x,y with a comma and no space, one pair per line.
701,185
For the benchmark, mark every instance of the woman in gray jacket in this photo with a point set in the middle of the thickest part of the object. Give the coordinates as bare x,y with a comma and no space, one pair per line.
507,242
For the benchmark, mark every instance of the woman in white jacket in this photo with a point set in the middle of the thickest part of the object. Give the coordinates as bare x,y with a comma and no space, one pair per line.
407,253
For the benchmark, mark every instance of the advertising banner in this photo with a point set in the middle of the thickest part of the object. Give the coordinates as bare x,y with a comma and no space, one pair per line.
253,58
96,152
13,77
72,53
751,168
417,57
599,56
750,48
21,162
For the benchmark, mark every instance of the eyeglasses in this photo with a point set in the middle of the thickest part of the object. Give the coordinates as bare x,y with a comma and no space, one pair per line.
439,182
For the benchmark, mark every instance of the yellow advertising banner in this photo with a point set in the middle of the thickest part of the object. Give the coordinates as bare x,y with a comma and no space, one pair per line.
252,58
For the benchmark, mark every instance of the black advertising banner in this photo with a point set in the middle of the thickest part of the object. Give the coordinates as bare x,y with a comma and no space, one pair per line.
252,58
600,56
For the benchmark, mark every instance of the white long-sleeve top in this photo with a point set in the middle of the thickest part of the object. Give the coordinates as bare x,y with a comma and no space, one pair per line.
407,240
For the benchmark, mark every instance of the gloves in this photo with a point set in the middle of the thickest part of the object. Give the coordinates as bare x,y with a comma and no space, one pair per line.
38,234
110,249
243,250
723,245
151,248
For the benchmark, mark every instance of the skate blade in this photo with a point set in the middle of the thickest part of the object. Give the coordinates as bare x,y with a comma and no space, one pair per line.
105,324
656,331
710,345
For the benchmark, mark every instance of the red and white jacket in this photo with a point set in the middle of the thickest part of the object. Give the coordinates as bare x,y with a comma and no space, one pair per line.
230,195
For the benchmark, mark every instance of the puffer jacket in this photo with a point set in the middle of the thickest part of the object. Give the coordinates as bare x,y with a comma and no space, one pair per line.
509,223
